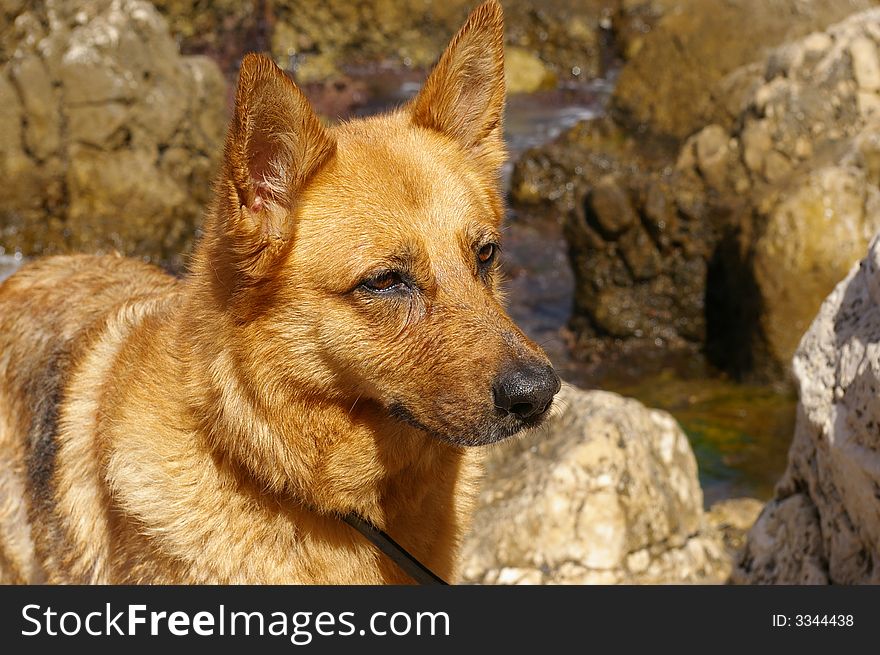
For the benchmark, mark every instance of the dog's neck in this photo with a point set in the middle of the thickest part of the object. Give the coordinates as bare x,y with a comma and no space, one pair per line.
330,453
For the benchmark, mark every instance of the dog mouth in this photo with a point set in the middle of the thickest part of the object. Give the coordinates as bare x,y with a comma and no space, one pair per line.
483,432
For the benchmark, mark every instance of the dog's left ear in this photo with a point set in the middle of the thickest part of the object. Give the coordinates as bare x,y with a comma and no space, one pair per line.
464,95
275,144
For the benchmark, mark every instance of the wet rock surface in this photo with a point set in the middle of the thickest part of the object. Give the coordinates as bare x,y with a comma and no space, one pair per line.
824,523
637,243
109,137
606,493
740,232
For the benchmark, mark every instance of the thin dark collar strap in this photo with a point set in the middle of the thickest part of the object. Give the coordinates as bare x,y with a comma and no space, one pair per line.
396,553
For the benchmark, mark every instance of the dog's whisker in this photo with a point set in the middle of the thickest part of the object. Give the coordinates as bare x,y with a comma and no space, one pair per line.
355,403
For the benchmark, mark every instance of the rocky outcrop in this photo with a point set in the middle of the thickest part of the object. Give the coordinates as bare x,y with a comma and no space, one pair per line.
524,72
638,241
318,39
606,493
824,523
679,75
733,241
799,175
108,138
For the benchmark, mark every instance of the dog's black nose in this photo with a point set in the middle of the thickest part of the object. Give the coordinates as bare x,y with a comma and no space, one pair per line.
526,389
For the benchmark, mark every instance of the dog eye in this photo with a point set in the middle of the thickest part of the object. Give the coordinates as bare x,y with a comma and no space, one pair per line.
487,253
384,281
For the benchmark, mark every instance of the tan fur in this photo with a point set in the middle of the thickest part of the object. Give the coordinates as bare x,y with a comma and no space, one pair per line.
214,428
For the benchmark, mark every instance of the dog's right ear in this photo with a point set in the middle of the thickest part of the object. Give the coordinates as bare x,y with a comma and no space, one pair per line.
463,97
275,144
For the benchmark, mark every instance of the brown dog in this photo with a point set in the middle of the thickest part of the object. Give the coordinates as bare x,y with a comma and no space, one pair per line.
337,345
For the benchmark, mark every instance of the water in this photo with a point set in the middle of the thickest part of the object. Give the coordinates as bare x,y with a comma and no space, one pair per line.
8,265
534,119
530,119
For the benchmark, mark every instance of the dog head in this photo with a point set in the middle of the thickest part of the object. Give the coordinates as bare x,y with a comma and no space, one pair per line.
367,253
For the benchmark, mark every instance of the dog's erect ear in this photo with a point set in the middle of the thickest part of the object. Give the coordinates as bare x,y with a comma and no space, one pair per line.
464,95
274,145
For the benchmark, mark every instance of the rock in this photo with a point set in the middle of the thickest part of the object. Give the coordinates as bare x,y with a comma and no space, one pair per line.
608,208
791,521
319,40
733,518
736,243
866,66
34,85
674,81
824,523
810,240
524,72
756,143
606,493
636,251
712,152
640,255
223,29
111,137
555,174
807,195
633,20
